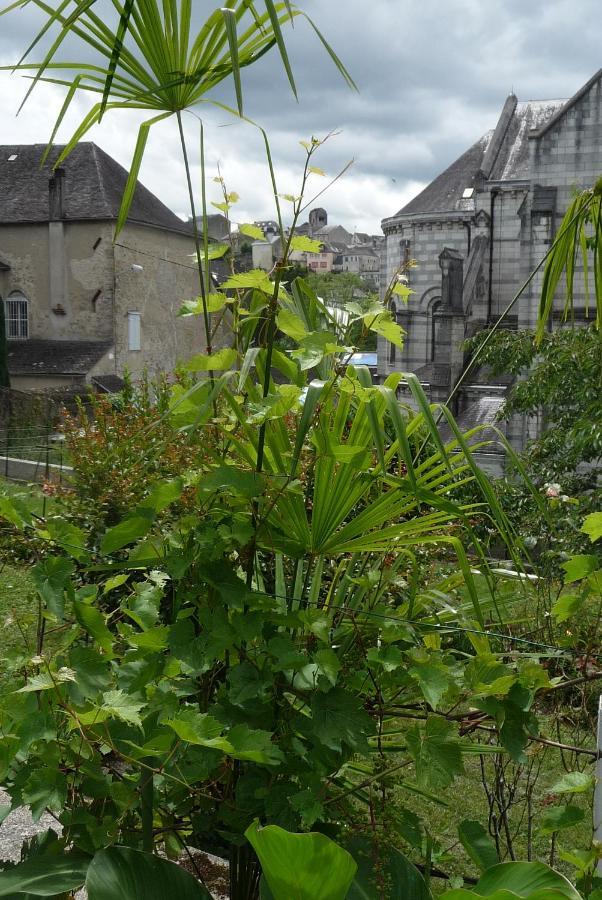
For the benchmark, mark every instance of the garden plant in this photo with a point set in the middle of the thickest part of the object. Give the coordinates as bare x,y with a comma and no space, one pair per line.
268,626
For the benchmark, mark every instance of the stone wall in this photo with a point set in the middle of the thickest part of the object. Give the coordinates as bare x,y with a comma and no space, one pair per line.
168,276
77,257
423,239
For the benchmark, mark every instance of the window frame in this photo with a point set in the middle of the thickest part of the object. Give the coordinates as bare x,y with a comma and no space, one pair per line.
134,335
17,324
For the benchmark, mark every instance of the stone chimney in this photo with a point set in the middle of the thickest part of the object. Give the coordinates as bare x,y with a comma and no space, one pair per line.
57,265
56,196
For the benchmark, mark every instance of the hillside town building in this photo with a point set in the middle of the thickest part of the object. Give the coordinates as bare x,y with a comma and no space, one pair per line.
79,307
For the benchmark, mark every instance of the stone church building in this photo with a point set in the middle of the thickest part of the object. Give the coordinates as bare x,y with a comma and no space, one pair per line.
476,233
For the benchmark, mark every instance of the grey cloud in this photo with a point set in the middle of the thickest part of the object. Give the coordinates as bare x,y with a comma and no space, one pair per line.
432,78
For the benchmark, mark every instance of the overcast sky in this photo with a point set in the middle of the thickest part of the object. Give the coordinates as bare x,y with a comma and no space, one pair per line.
432,77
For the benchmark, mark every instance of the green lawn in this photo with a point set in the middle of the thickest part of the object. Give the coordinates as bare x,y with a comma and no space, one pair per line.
18,606
18,616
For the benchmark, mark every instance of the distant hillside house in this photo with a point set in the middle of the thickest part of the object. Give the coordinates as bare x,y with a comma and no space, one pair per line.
479,229
78,307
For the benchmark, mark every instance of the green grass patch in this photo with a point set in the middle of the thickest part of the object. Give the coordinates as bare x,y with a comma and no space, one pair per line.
18,618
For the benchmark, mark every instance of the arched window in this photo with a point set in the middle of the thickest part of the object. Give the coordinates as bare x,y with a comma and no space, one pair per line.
16,316
436,310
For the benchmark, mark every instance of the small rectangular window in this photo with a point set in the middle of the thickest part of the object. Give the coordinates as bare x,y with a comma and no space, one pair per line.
134,331
17,325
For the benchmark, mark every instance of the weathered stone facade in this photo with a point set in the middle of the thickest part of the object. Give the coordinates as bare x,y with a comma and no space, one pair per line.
492,215
57,253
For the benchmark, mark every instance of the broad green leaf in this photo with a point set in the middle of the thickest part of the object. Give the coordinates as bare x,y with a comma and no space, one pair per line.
463,894
526,879
120,873
291,324
314,347
153,640
567,605
301,866
120,705
433,679
275,405
573,783
478,844
380,864
253,745
68,537
436,753
557,818
338,718
388,657
44,789
240,742
304,244
402,290
328,664
116,581
256,280
213,302
197,728
47,681
216,251
514,718
219,361
127,531
45,875
592,526
52,578
384,325
10,512
163,494
92,619
252,231
234,479
579,567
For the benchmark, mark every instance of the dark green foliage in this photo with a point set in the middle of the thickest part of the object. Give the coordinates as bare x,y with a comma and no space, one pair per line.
561,379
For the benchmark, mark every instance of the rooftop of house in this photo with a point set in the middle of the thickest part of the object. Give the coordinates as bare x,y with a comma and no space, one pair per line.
92,189
40,357
453,189
358,250
446,191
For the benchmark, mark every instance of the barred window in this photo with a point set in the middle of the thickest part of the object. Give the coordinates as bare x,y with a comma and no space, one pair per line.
16,315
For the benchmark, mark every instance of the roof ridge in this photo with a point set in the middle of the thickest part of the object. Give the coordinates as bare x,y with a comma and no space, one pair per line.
583,90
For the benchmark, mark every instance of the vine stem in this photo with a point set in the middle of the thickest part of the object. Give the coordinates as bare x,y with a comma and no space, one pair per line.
197,239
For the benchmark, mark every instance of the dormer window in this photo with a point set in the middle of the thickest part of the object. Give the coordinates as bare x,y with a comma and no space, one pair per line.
16,315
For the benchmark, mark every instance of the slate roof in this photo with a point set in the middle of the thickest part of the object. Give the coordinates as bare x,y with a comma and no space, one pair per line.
93,187
39,357
482,412
513,158
444,194
108,384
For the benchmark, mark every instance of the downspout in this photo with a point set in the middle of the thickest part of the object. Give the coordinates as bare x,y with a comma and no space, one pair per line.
494,193
468,228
